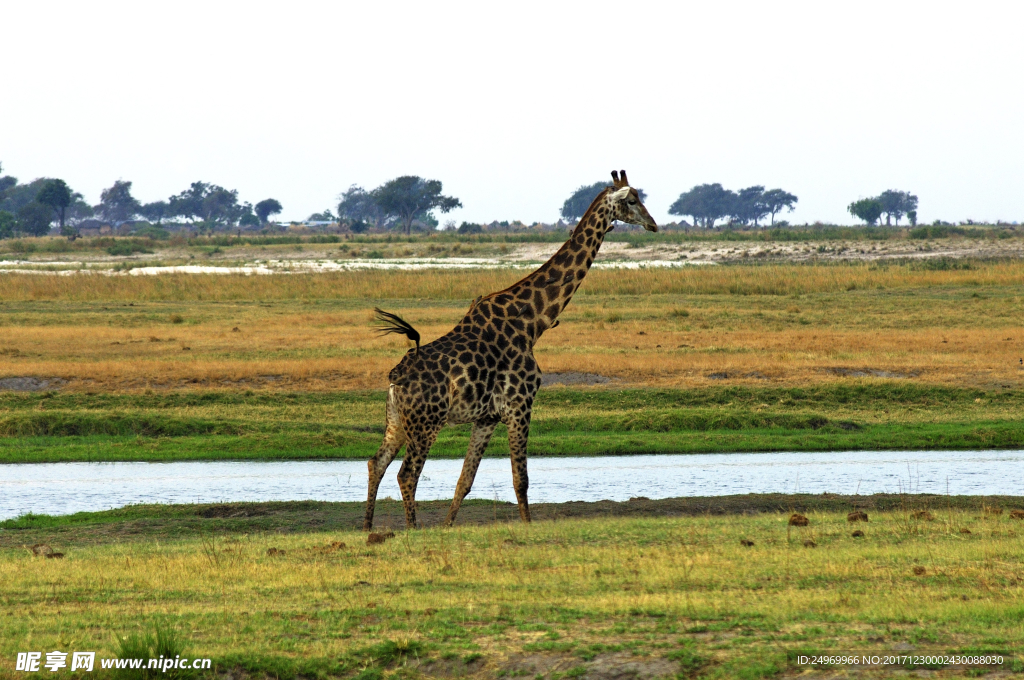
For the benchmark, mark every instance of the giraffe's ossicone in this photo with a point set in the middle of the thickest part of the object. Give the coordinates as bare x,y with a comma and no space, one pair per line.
483,371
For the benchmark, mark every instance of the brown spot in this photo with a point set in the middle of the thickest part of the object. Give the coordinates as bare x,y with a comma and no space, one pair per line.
857,516
1017,514
55,556
747,542
964,530
920,571
274,551
858,534
808,543
798,520
923,514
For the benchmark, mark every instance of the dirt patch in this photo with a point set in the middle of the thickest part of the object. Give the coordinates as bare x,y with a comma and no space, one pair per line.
231,511
619,666
573,378
30,384
868,373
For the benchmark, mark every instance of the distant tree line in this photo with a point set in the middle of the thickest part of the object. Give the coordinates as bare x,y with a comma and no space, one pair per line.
30,209
892,203
708,203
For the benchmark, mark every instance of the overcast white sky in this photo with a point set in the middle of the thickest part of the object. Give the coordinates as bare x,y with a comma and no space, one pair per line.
513,105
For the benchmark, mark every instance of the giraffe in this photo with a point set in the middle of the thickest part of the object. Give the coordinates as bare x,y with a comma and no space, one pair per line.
483,371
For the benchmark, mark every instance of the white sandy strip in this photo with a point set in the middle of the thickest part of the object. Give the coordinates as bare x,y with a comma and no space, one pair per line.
301,266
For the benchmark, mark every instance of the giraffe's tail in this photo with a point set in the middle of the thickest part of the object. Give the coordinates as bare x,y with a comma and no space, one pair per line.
392,323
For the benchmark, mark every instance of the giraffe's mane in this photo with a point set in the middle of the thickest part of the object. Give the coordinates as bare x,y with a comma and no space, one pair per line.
586,215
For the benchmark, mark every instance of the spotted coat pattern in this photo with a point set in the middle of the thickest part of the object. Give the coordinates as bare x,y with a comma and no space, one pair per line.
483,371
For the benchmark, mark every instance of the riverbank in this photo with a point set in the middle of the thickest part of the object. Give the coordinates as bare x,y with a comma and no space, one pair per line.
568,421
713,587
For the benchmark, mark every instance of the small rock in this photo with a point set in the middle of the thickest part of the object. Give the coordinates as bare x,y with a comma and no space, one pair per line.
857,516
858,534
920,571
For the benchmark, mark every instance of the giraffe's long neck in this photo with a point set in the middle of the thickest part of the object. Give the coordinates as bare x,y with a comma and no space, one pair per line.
544,294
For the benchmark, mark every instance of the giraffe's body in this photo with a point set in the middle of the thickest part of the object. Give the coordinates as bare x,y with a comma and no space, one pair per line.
483,371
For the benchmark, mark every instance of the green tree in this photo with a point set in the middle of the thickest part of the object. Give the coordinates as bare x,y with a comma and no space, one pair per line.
155,211
117,205
221,208
189,203
777,200
325,216
17,196
6,182
267,207
213,205
58,195
895,204
706,203
748,206
358,206
35,218
8,224
409,197
576,205
867,209
250,220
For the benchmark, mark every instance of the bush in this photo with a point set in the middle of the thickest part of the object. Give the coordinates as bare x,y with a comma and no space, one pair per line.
152,231
126,248
936,231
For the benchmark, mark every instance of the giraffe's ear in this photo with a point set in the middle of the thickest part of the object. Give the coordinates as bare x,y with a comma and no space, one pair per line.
620,194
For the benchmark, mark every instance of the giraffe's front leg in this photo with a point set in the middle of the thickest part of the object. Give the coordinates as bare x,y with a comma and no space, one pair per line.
518,433
482,431
409,476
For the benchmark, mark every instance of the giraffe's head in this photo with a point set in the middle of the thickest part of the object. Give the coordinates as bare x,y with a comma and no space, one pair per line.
626,205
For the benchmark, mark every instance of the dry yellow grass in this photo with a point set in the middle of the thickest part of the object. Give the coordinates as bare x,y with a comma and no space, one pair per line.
649,327
440,284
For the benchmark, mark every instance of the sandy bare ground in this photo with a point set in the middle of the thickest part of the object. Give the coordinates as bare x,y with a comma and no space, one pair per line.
328,257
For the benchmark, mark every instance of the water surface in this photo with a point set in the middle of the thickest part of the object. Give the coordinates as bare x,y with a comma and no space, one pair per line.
63,488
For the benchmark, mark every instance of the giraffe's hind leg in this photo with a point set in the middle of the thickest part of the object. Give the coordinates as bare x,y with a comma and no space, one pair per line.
394,440
418,447
518,433
482,431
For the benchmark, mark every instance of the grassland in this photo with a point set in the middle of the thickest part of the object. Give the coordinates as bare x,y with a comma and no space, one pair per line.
661,595
757,357
266,425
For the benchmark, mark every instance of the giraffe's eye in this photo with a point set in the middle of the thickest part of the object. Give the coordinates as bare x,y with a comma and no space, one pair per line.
632,201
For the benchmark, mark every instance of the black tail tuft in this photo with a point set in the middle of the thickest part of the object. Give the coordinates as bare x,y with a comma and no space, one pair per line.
392,323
